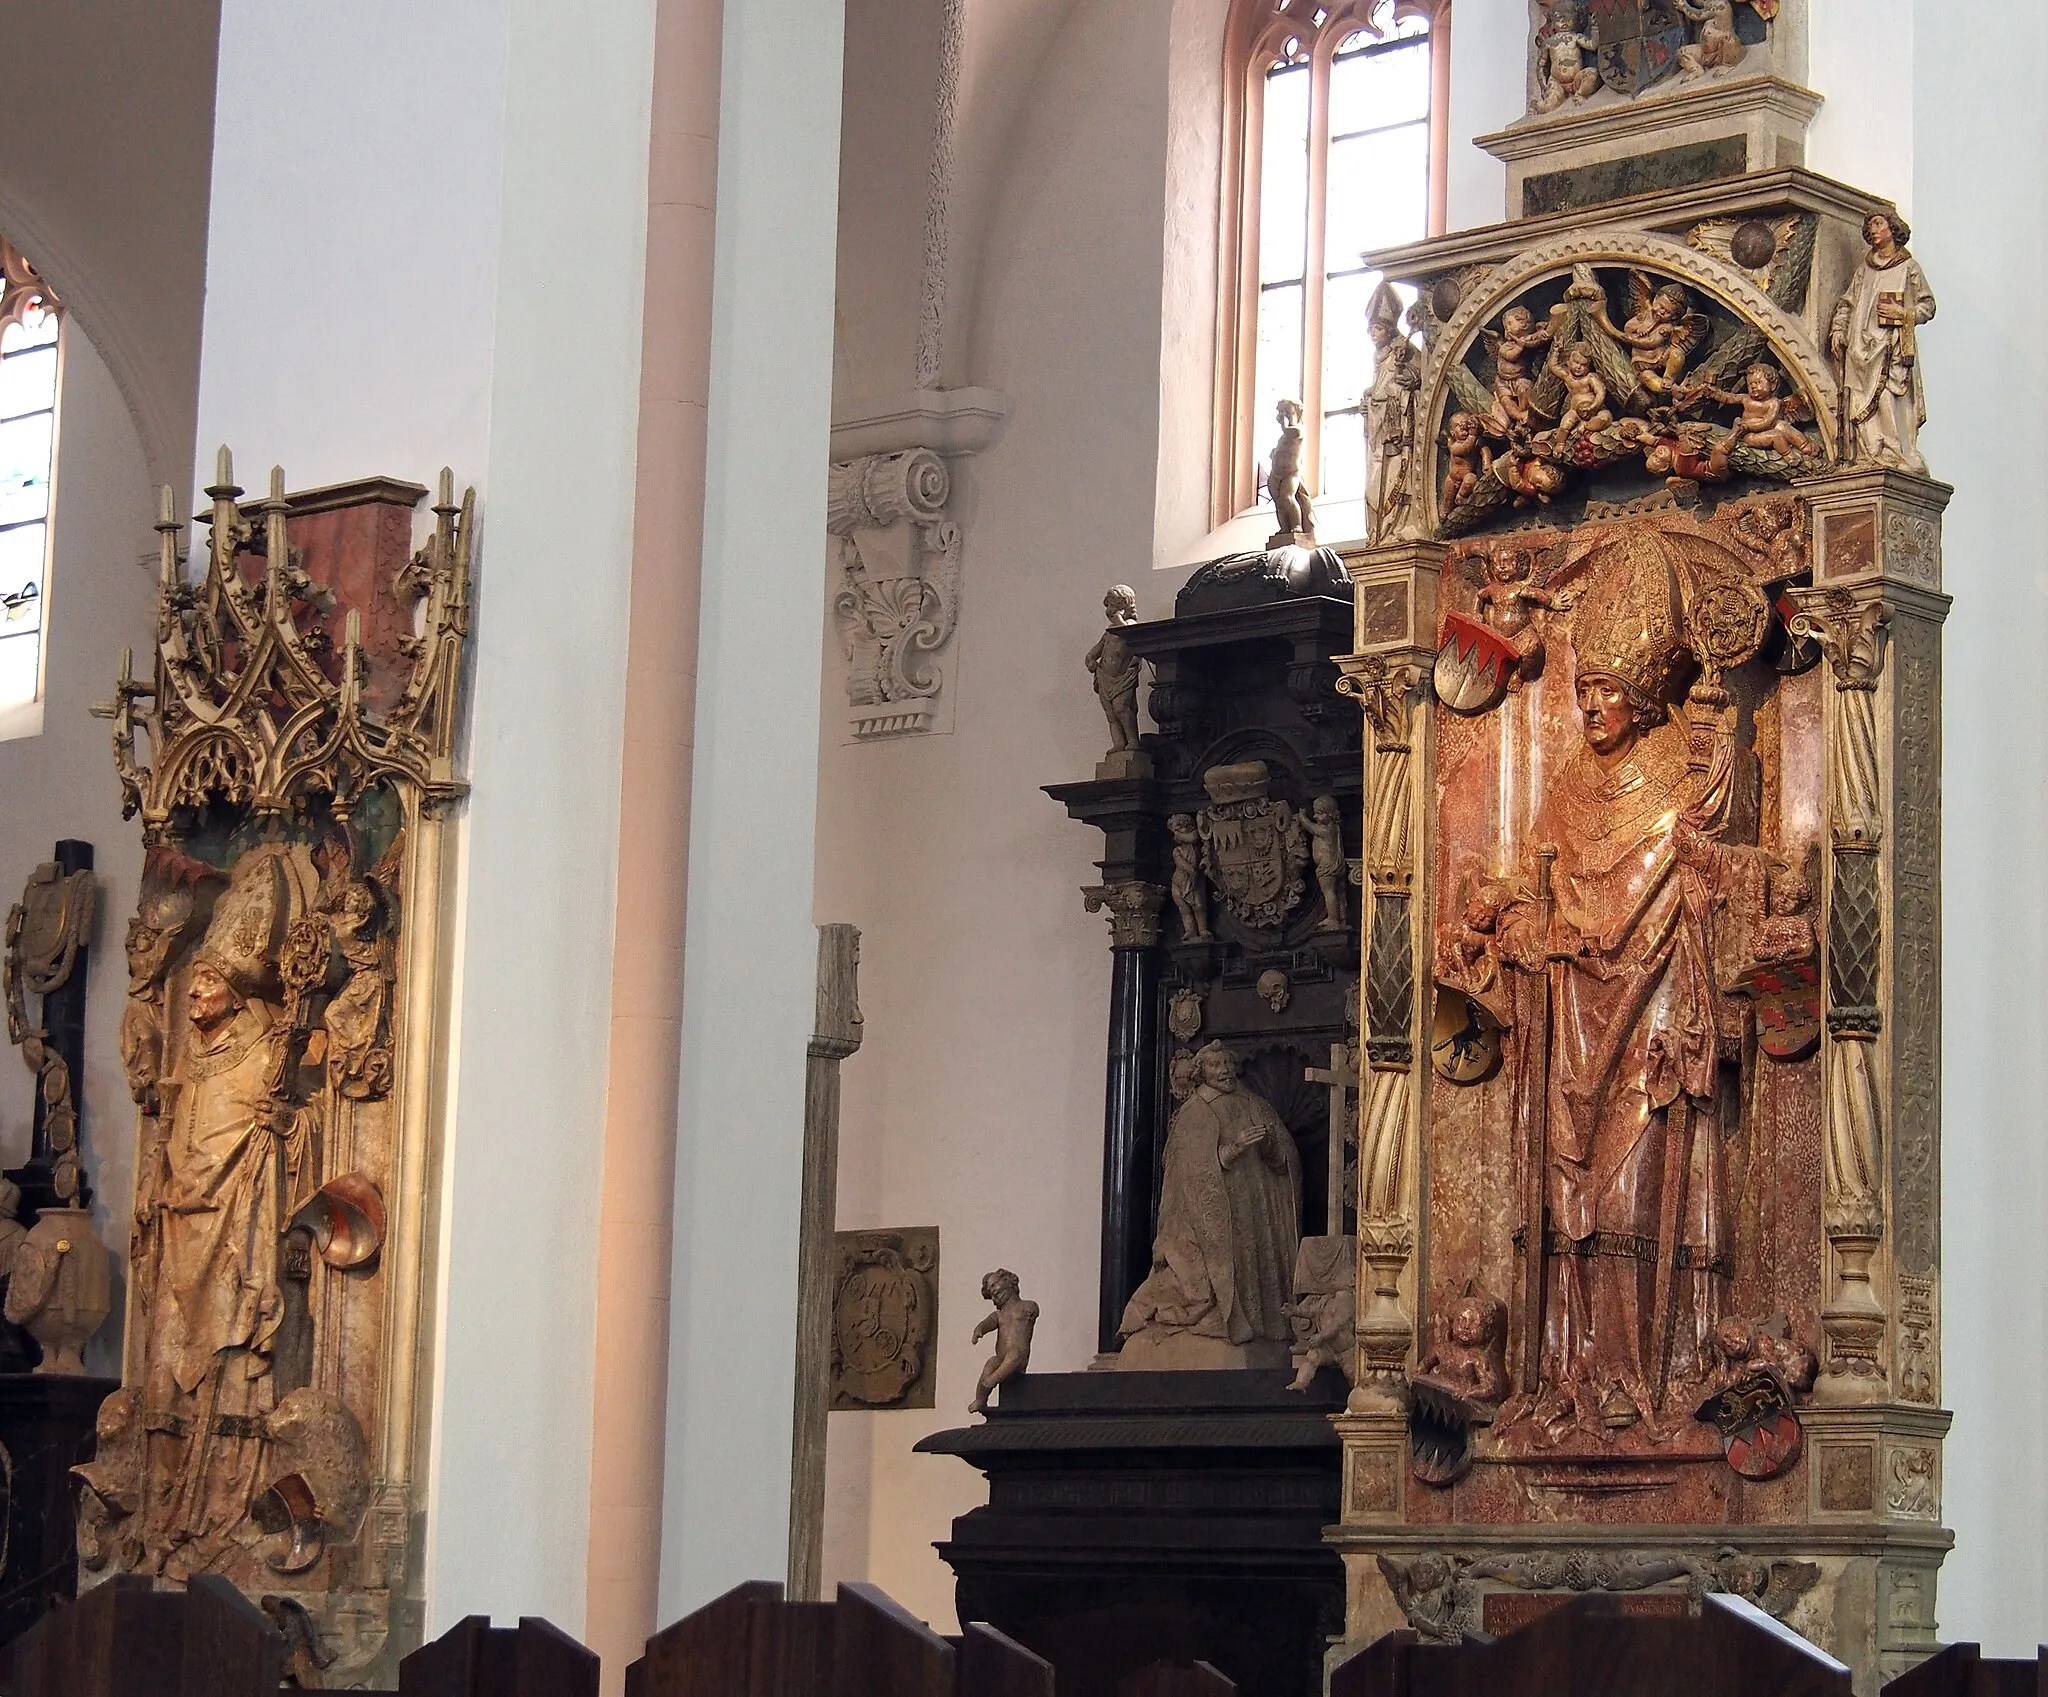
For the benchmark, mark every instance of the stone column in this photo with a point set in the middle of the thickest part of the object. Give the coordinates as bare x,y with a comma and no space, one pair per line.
1875,610
1130,1108
1394,624
629,1403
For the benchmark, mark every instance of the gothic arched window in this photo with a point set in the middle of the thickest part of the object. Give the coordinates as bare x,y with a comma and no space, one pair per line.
1335,133
30,359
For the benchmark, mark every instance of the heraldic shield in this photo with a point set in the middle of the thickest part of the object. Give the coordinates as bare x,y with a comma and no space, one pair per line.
1639,41
1760,1433
1253,847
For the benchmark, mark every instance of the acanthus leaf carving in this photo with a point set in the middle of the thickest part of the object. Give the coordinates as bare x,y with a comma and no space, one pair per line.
1133,910
898,601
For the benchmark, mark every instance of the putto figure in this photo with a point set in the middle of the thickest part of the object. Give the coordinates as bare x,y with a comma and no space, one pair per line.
1661,332
1719,47
1325,833
1294,519
1012,1323
1115,669
1874,340
1565,59
1189,896
1767,416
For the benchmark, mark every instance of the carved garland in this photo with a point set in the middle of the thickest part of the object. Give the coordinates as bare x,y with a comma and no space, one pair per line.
1731,287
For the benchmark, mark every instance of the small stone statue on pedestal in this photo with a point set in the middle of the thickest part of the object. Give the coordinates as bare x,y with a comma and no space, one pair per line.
1116,671
1294,520
1012,1323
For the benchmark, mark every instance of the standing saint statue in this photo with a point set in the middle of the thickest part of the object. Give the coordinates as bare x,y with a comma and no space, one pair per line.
1609,941
1389,419
1229,1224
212,1199
1874,338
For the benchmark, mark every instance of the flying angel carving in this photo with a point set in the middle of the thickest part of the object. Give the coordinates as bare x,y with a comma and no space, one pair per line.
1663,332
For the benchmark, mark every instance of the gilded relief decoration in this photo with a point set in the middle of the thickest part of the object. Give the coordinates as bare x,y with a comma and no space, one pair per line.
1635,378
1663,807
291,758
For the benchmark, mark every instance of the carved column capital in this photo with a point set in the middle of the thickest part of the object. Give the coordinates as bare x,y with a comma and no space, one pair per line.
1850,630
1133,910
1384,686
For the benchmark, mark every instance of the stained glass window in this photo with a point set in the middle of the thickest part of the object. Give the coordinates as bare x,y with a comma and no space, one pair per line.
1339,129
30,330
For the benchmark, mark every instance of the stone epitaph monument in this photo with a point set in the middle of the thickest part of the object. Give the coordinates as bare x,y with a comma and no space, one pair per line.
1650,1302
291,757
1568,1017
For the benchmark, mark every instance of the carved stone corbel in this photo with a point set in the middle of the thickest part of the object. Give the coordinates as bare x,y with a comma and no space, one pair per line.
1851,631
899,585
1387,690
898,543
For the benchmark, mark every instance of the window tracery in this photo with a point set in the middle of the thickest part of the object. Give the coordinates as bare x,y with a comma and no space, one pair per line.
31,323
1334,144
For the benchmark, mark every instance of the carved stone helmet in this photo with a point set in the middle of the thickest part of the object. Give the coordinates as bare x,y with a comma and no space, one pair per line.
1630,627
270,887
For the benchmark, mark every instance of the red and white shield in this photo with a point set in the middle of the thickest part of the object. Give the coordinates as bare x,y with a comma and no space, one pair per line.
1760,1433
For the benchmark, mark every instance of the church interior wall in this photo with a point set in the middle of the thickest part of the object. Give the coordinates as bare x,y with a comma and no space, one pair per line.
391,188
1977,207
749,990
975,1102
463,149
103,184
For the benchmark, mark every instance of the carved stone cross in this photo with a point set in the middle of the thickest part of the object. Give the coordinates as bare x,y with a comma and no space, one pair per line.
1341,1078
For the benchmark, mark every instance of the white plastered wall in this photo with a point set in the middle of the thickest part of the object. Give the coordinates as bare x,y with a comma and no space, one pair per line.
103,186
975,1103
750,964
1977,196
1918,111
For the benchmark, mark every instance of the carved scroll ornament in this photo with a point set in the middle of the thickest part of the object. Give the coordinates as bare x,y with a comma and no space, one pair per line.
899,593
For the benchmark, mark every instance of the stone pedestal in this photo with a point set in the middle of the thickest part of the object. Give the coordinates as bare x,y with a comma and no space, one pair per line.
1143,1517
